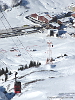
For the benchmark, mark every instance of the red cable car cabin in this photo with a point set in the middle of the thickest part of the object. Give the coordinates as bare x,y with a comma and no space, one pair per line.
17,87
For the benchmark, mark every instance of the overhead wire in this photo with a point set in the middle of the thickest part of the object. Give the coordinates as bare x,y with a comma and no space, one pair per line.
25,49
14,42
17,37
3,23
6,19
7,31
11,37
3,53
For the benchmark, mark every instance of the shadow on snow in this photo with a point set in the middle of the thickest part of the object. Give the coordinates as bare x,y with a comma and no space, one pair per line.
8,95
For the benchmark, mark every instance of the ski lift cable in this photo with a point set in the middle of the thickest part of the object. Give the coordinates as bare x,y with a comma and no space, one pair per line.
11,38
3,53
15,77
13,41
3,23
25,49
18,38
19,50
17,47
6,19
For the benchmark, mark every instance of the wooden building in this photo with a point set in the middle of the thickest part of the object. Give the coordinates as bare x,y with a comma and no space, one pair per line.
35,16
43,19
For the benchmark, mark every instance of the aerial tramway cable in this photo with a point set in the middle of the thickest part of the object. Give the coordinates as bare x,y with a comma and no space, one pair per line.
14,43
6,19
17,37
17,47
3,23
11,37
12,40
25,49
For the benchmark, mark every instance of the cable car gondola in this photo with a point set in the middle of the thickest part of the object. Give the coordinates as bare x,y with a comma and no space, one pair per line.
17,85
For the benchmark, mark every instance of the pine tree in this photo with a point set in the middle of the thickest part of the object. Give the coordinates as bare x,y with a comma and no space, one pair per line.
6,77
6,70
22,68
37,64
0,72
34,63
18,69
31,63
26,66
3,71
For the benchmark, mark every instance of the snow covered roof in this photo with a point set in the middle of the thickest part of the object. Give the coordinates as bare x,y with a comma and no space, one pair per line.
55,24
34,15
74,25
63,20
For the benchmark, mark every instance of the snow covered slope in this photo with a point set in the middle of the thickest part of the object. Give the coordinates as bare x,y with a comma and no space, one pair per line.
26,7
46,82
49,5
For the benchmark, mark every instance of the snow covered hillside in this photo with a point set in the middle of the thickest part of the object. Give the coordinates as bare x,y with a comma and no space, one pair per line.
53,81
45,81
16,15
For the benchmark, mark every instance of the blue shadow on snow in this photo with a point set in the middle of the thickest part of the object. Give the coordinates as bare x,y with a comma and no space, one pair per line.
8,95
